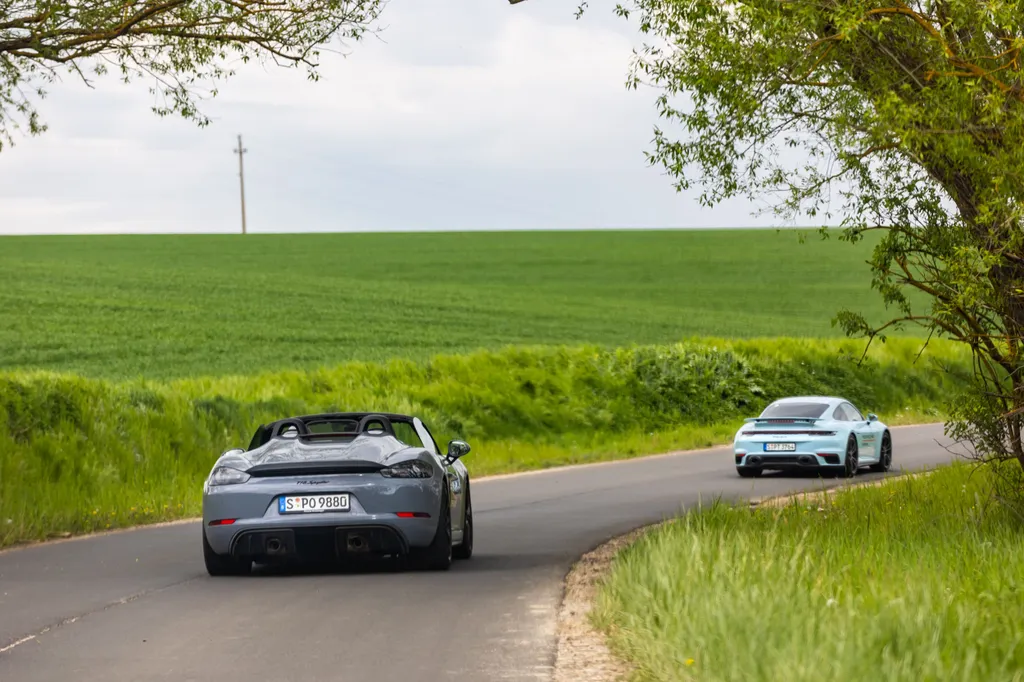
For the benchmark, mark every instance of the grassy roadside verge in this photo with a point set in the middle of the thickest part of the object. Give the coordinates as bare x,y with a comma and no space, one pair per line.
79,455
919,579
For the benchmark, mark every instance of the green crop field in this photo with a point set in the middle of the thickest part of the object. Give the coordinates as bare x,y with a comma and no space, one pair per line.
178,306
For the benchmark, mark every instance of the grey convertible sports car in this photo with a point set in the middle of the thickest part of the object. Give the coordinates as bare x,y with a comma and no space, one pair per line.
326,486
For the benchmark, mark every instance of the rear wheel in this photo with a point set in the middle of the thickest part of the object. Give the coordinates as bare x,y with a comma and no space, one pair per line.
852,461
885,455
218,564
437,556
465,550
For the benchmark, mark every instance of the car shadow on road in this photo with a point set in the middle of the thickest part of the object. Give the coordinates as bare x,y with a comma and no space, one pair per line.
829,481
347,567
506,562
371,566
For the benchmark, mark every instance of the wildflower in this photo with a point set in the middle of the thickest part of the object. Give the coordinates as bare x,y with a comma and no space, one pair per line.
689,661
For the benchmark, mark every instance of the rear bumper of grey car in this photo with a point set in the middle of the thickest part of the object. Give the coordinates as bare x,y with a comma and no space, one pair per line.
321,537
318,542
383,516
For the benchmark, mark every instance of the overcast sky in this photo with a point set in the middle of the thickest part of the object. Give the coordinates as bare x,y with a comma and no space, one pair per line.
467,114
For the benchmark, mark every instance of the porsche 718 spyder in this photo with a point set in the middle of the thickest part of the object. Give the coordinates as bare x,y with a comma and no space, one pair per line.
826,434
329,486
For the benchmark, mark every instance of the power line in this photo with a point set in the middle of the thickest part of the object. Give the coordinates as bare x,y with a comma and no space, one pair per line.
241,178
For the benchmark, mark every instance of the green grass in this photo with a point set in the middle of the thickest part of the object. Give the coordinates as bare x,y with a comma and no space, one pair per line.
178,306
80,454
918,580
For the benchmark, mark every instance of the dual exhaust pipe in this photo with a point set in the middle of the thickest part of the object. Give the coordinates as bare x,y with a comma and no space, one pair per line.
282,545
354,542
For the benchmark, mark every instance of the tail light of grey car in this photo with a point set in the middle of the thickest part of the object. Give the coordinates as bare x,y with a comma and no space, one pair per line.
412,469
223,475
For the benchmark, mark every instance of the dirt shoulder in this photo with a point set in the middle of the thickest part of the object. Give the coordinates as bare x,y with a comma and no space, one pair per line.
583,654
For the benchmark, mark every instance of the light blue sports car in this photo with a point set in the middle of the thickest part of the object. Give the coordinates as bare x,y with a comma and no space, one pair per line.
825,434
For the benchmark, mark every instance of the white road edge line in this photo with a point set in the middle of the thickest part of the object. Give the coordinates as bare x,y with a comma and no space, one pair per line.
622,461
74,619
19,642
476,480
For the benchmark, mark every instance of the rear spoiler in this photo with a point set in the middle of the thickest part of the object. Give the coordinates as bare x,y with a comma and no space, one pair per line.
783,420
314,468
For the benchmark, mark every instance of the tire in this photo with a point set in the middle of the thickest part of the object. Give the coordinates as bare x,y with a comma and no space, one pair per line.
465,550
220,565
885,460
852,458
748,472
437,556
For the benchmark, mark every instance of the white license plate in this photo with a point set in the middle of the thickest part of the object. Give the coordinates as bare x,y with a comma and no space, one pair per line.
779,447
305,504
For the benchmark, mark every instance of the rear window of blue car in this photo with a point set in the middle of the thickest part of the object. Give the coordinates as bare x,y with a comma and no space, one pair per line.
801,410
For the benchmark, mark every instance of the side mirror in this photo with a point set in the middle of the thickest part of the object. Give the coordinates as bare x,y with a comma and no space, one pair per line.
457,449
872,417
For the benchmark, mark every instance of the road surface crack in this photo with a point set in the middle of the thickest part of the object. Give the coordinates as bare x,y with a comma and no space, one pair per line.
106,607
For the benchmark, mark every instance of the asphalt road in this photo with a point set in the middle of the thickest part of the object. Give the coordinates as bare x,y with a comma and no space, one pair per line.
138,605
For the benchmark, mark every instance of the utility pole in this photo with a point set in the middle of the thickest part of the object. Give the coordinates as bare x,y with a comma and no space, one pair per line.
241,178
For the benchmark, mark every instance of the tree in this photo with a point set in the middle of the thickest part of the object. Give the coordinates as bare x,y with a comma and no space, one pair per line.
901,119
182,45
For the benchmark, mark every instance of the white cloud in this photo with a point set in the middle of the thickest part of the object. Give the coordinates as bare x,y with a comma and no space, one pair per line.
468,115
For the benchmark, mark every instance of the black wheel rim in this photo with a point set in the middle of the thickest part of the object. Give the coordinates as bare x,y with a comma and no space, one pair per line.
851,457
886,452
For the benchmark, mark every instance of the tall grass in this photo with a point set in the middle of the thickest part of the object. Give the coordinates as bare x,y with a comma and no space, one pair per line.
79,454
919,579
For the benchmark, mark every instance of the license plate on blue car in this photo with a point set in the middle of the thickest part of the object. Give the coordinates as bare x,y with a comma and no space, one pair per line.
300,504
779,447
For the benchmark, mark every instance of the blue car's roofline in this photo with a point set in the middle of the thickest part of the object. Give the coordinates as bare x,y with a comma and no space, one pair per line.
750,420
831,399
830,404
